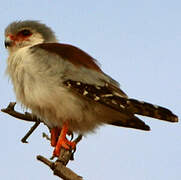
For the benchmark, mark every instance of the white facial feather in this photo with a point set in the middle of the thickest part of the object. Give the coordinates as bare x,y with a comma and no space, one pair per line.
35,38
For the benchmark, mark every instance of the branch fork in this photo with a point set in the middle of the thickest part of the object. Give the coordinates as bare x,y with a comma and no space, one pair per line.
59,166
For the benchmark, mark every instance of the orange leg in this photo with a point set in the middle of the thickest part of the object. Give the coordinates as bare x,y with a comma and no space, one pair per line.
62,141
54,136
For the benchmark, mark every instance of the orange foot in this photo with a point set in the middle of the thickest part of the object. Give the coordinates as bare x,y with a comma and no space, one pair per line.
61,141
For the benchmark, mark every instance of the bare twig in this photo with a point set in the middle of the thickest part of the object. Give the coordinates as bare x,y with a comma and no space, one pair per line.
24,139
78,139
44,135
59,166
26,116
59,169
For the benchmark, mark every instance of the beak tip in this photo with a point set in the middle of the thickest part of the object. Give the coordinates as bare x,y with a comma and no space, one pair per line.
7,44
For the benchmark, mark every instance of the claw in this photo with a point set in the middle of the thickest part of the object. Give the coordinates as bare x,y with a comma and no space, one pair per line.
71,134
61,141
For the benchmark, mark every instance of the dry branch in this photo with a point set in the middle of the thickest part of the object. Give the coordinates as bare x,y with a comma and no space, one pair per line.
24,139
59,166
26,117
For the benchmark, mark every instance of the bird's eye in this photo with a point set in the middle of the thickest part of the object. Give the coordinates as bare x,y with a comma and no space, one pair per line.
25,32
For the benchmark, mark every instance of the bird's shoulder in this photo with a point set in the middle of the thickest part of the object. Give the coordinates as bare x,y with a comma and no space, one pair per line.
78,66
69,53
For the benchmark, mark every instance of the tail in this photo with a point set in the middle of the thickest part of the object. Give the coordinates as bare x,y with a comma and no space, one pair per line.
133,106
146,109
132,122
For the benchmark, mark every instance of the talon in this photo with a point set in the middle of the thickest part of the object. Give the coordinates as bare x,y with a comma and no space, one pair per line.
62,140
63,143
71,134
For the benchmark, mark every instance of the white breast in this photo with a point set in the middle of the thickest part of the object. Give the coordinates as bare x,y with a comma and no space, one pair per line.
44,94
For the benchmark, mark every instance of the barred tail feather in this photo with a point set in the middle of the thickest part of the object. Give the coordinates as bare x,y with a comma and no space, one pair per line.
133,122
150,110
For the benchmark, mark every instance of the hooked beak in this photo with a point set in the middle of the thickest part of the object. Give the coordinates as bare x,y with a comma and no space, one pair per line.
8,42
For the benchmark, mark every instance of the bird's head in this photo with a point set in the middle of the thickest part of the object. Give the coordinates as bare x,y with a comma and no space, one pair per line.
20,34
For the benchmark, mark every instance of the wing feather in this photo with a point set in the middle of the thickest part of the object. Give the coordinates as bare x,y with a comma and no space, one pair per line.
107,96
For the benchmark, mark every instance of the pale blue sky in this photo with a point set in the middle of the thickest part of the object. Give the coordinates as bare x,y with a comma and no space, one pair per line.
139,44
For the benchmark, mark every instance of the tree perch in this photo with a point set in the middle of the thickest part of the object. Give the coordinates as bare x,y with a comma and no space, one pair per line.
59,166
